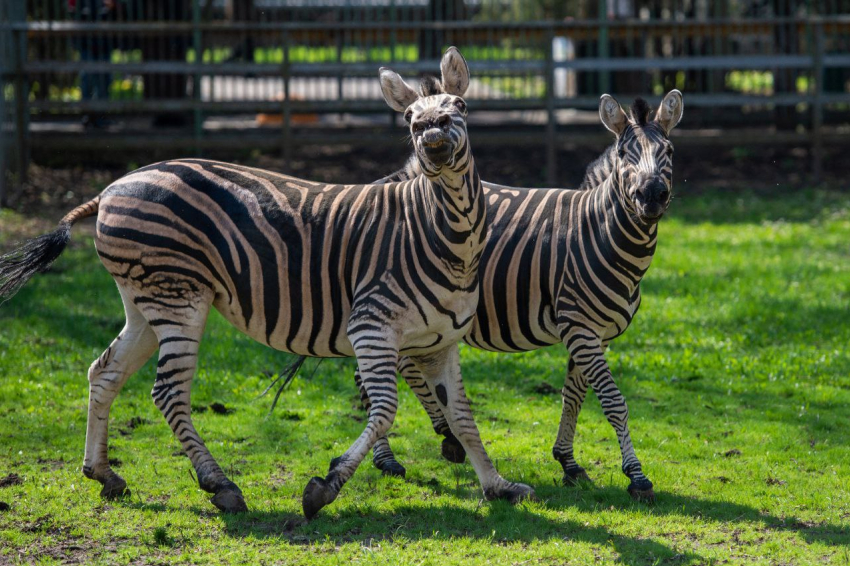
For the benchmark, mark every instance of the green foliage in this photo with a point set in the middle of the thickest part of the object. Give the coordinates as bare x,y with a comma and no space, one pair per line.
736,371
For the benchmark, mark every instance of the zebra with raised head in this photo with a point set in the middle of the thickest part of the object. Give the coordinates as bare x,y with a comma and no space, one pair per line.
372,271
565,266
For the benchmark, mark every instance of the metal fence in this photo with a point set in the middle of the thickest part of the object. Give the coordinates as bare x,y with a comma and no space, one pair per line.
195,76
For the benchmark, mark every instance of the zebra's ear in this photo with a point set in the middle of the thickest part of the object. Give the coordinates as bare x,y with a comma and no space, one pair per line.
670,111
397,93
612,115
455,72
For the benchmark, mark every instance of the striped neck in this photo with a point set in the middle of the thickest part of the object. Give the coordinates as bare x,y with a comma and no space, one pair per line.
454,206
626,241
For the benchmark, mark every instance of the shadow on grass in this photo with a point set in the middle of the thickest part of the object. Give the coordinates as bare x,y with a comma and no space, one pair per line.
503,524
592,499
731,206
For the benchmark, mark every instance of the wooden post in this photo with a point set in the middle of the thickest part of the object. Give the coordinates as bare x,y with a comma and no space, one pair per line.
603,50
287,108
817,106
197,45
551,159
19,53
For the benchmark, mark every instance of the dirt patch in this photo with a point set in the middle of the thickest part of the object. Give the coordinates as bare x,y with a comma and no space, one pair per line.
280,476
10,480
132,425
48,464
545,388
220,409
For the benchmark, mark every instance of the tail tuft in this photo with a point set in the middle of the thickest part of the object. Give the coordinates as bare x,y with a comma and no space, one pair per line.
286,375
31,257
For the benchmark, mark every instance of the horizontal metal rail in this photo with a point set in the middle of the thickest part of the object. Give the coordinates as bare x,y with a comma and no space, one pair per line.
369,106
71,27
480,67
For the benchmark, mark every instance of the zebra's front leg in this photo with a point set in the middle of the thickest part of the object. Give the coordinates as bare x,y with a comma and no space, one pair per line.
382,454
107,375
179,339
376,360
589,356
451,447
573,394
441,371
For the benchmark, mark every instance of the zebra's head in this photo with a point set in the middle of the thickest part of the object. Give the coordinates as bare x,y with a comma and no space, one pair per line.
436,114
644,154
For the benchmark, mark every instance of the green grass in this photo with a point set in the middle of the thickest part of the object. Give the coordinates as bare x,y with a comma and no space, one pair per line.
741,345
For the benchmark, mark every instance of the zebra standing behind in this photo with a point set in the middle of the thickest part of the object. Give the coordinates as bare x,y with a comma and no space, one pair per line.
565,266
373,271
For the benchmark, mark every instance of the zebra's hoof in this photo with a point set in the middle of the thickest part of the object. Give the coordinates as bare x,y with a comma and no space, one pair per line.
115,488
317,494
230,501
513,494
453,450
576,476
641,490
393,469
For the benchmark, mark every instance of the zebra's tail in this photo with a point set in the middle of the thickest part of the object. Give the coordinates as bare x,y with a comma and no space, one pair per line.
285,377
38,254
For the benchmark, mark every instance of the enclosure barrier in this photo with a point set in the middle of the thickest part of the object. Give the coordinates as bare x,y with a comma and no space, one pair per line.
763,71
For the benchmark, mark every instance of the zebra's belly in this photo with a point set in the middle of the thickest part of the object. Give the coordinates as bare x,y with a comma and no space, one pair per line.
296,335
485,334
415,329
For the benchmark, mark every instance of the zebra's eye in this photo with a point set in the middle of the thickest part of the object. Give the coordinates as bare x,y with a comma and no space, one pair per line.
460,105
621,152
408,115
669,151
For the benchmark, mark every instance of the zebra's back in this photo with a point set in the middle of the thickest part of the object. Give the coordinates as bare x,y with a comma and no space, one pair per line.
283,259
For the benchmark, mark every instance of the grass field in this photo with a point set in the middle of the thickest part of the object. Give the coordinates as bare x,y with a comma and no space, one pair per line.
736,371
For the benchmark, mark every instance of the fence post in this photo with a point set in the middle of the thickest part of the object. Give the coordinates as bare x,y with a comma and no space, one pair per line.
551,161
287,109
19,52
196,76
603,47
817,106
5,70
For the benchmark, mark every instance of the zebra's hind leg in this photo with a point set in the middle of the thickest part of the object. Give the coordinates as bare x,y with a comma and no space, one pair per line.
179,332
107,375
441,371
573,394
589,355
382,454
451,447
376,360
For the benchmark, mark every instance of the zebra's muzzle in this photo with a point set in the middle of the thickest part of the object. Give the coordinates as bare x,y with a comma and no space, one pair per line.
652,212
437,149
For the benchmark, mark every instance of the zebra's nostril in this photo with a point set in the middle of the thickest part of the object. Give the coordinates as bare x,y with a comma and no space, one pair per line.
663,195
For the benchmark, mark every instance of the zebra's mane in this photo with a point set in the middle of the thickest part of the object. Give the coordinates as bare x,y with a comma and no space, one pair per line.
640,112
429,86
599,169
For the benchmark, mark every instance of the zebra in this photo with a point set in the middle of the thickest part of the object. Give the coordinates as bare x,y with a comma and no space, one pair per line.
565,266
372,271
